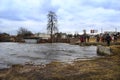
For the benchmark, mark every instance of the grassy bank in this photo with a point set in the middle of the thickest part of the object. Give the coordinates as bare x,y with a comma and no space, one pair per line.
105,68
96,43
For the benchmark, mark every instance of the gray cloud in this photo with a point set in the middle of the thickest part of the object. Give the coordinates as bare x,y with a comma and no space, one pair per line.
107,4
73,15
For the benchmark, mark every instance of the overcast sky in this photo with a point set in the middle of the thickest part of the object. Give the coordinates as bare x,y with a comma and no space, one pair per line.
73,15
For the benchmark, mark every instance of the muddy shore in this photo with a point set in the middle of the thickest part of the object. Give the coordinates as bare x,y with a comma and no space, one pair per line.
105,68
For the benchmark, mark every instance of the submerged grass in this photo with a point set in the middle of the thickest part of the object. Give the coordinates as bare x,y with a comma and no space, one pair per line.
105,68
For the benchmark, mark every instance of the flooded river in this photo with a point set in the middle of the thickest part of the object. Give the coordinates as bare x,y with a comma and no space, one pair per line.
20,53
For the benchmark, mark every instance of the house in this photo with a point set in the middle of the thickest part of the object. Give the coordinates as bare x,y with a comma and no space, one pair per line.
42,35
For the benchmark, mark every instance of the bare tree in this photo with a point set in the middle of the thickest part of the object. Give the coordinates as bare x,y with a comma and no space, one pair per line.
23,32
52,24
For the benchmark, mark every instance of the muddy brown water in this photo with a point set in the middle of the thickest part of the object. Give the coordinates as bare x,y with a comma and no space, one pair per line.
21,53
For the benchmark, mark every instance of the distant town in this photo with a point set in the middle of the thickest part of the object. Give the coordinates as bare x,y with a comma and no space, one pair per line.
24,34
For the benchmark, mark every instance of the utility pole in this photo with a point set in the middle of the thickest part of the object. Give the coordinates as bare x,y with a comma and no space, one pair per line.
115,29
101,30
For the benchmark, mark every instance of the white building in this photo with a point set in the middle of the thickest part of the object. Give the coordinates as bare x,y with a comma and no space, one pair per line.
42,35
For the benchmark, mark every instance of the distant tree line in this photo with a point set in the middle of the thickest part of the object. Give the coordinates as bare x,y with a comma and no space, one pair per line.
4,37
23,32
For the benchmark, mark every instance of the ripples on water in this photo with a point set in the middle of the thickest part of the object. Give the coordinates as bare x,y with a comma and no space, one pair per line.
19,53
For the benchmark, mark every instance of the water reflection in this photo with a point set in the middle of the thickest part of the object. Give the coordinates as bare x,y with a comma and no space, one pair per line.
19,53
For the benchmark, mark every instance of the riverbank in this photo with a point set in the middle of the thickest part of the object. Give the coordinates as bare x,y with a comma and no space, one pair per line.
96,43
105,68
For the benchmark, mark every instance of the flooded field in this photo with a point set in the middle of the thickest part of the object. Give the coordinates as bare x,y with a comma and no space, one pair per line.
20,53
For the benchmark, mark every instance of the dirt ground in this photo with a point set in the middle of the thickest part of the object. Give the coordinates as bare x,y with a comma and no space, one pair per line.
104,68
